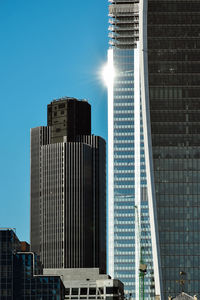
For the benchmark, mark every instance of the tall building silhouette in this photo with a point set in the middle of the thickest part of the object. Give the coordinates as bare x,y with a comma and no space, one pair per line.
154,138
68,189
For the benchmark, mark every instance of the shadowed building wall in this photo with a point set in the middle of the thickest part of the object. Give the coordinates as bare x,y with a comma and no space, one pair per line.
174,78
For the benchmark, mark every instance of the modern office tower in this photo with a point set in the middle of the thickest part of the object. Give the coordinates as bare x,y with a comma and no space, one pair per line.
21,273
155,50
68,189
129,223
88,284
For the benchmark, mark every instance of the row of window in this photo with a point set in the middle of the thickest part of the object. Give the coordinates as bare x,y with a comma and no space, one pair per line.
124,96
91,291
125,127
173,18
124,82
123,132
177,189
173,7
124,119
123,89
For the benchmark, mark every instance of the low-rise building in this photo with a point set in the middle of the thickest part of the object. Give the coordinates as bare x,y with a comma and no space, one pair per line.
21,275
183,296
88,283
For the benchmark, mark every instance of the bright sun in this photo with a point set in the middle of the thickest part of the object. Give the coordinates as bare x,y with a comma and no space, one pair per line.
108,74
108,71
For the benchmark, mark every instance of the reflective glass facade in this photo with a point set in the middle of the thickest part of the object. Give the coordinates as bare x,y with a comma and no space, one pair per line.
124,179
167,41
174,78
8,242
28,286
20,273
129,211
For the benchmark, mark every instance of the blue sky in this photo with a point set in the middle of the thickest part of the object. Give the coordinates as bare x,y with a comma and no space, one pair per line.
48,49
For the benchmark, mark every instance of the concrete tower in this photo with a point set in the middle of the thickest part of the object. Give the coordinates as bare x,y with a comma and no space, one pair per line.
68,189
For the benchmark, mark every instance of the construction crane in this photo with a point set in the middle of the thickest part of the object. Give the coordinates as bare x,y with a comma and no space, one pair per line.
142,273
142,266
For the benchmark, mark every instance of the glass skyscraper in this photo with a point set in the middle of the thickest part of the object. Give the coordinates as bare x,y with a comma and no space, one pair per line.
129,228
154,138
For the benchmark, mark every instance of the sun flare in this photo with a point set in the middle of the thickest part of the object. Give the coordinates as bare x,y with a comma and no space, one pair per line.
108,74
108,71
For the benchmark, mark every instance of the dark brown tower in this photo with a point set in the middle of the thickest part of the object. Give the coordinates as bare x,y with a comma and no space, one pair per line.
68,189
68,117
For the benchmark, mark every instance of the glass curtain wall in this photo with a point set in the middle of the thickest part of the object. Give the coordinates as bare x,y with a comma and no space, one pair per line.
124,181
174,79
130,221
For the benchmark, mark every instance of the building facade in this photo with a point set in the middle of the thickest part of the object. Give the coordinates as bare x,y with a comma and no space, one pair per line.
21,273
183,296
154,140
130,234
68,189
88,284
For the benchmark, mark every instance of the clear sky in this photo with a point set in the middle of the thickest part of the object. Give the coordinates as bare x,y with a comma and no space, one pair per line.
48,49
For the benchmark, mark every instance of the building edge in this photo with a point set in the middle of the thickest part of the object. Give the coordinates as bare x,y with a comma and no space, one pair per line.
143,9
110,264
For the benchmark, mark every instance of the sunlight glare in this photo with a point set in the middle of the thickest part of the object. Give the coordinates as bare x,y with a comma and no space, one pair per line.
108,73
